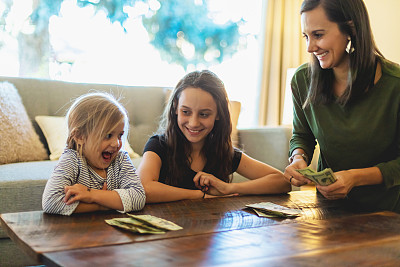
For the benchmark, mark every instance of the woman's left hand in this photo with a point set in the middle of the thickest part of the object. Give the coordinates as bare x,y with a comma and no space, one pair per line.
338,189
211,185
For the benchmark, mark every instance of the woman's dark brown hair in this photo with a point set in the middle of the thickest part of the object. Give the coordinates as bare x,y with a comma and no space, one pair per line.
218,149
352,19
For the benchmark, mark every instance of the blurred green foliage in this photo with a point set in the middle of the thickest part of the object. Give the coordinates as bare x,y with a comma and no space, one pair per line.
177,25
183,31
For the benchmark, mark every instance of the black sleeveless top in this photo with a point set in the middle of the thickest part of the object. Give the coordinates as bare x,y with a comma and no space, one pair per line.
158,145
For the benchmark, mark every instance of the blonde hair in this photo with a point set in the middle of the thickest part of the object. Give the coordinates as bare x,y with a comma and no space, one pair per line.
95,114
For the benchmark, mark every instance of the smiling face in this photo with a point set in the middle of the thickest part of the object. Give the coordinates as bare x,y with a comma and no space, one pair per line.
197,112
324,39
100,156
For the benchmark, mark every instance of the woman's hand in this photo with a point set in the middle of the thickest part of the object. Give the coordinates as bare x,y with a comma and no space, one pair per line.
211,185
292,176
338,189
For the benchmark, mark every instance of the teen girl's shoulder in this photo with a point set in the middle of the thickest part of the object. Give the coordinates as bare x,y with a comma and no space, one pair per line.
156,143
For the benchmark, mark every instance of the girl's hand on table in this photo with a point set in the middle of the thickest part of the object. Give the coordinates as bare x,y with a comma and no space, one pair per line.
211,185
77,192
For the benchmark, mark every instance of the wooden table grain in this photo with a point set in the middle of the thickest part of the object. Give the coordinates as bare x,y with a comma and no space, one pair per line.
218,231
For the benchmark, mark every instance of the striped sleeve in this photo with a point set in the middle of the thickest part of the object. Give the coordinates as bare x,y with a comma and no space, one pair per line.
130,189
64,174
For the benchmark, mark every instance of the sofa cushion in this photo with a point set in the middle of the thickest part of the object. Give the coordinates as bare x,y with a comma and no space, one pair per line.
19,141
55,130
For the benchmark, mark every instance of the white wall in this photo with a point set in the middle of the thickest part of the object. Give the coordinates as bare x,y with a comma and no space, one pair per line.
385,22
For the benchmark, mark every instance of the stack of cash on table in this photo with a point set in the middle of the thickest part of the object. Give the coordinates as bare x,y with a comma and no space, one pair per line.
144,224
269,209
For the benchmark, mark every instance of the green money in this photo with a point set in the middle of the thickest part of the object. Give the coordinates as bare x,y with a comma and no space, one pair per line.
134,226
324,177
142,227
157,222
275,209
265,214
121,225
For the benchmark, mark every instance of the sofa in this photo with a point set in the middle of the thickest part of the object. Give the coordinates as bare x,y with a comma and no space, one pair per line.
22,183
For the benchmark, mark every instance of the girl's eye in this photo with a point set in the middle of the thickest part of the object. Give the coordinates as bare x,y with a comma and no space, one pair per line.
108,136
204,115
185,112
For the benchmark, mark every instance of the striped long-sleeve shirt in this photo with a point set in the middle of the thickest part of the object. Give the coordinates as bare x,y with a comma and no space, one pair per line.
73,169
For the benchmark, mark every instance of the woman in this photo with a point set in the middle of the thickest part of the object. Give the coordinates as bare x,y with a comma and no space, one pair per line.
193,156
347,99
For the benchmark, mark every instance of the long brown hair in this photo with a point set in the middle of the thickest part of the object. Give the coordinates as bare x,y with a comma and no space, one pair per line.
352,19
217,148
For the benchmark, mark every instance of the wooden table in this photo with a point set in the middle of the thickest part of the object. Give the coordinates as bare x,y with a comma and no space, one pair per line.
219,231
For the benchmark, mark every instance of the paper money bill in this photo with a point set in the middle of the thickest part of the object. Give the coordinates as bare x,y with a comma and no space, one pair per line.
275,209
134,226
144,224
157,222
265,214
324,177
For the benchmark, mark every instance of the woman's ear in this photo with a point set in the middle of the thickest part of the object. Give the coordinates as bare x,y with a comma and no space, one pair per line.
352,28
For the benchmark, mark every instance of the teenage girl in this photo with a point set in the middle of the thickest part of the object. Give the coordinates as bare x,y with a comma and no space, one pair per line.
92,173
193,157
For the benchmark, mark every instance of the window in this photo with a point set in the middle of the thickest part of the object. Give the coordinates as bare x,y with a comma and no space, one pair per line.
85,46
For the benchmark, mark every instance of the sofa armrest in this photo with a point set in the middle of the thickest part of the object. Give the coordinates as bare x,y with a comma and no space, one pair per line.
267,144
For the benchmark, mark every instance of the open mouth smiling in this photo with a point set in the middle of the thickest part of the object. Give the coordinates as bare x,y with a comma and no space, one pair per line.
107,155
319,56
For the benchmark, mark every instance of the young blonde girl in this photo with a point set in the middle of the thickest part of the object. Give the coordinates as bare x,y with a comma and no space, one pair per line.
193,156
92,173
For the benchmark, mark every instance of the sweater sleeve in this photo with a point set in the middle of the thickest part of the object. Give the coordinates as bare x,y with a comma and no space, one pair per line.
391,169
64,174
131,190
302,136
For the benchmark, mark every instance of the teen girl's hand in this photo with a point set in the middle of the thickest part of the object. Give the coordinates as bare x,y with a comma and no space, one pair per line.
211,185
338,189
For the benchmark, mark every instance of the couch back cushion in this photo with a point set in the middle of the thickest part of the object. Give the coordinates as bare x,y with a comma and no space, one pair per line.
52,98
18,140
